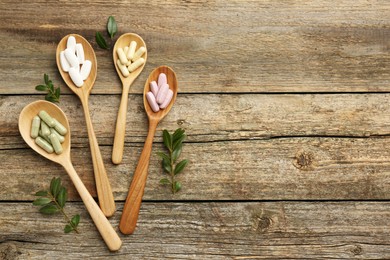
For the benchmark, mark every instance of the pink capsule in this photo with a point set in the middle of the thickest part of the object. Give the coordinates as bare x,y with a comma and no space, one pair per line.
162,79
152,101
162,93
154,88
167,99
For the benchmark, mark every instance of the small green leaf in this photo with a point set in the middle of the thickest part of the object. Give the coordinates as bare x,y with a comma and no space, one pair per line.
166,165
179,132
62,197
176,187
55,186
41,87
68,229
41,193
176,152
48,97
75,220
50,86
49,209
57,93
178,141
164,181
180,166
101,41
112,27
164,156
41,201
167,138
46,78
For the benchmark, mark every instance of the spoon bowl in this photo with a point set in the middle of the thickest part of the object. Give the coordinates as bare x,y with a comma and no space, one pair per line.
119,138
132,206
25,119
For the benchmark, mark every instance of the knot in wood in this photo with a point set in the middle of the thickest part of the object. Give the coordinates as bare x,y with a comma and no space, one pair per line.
263,223
357,250
304,160
180,121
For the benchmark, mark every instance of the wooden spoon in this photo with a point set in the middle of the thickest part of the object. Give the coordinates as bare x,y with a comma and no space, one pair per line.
103,188
119,138
136,191
103,225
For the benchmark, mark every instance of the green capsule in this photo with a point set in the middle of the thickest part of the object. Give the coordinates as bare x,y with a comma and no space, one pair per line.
36,123
46,137
60,137
46,117
56,143
45,129
44,145
59,127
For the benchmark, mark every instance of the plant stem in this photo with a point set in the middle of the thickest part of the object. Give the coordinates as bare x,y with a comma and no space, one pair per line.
63,212
172,173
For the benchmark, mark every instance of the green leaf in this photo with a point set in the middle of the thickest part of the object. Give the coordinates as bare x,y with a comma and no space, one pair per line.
46,78
167,138
164,156
68,229
50,86
180,166
166,165
62,197
176,152
101,41
179,132
55,186
41,201
41,193
57,93
112,28
176,187
178,141
164,181
48,97
40,87
75,220
49,209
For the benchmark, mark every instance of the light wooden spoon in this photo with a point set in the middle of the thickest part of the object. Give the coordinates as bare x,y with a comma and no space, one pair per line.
119,138
25,118
103,187
136,191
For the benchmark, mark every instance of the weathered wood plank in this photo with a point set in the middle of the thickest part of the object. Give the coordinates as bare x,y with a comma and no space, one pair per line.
275,169
218,117
278,230
214,46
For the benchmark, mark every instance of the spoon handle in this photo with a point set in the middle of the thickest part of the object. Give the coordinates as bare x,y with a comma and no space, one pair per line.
103,187
103,225
136,191
119,138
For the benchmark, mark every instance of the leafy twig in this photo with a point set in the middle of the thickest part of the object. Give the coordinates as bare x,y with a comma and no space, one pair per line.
53,94
174,144
112,29
53,201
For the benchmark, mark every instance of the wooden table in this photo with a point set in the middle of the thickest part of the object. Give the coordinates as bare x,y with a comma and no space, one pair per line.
286,108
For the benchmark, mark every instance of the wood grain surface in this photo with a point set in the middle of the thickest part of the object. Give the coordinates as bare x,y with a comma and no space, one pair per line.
286,109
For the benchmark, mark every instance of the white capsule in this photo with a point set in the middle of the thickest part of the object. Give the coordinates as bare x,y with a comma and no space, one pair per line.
131,51
125,50
162,93
139,53
162,79
154,88
71,58
152,101
80,53
76,76
167,99
121,56
64,63
136,64
122,68
71,43
85,69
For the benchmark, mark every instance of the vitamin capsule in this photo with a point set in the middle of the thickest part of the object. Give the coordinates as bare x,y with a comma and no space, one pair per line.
71,43
35,124
59,127
45,129
121,56
162,79
131,51
85,69
46,137
71,58
125,50
152,101
122,68
55,143
44,145
76,76
162,93
154,88
64,63
167,99
128,63
136,64
46,118
80,53
138,53
60,137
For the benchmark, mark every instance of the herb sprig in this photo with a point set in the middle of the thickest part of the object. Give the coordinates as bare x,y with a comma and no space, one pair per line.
174,145
112,29
53,201
53,94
